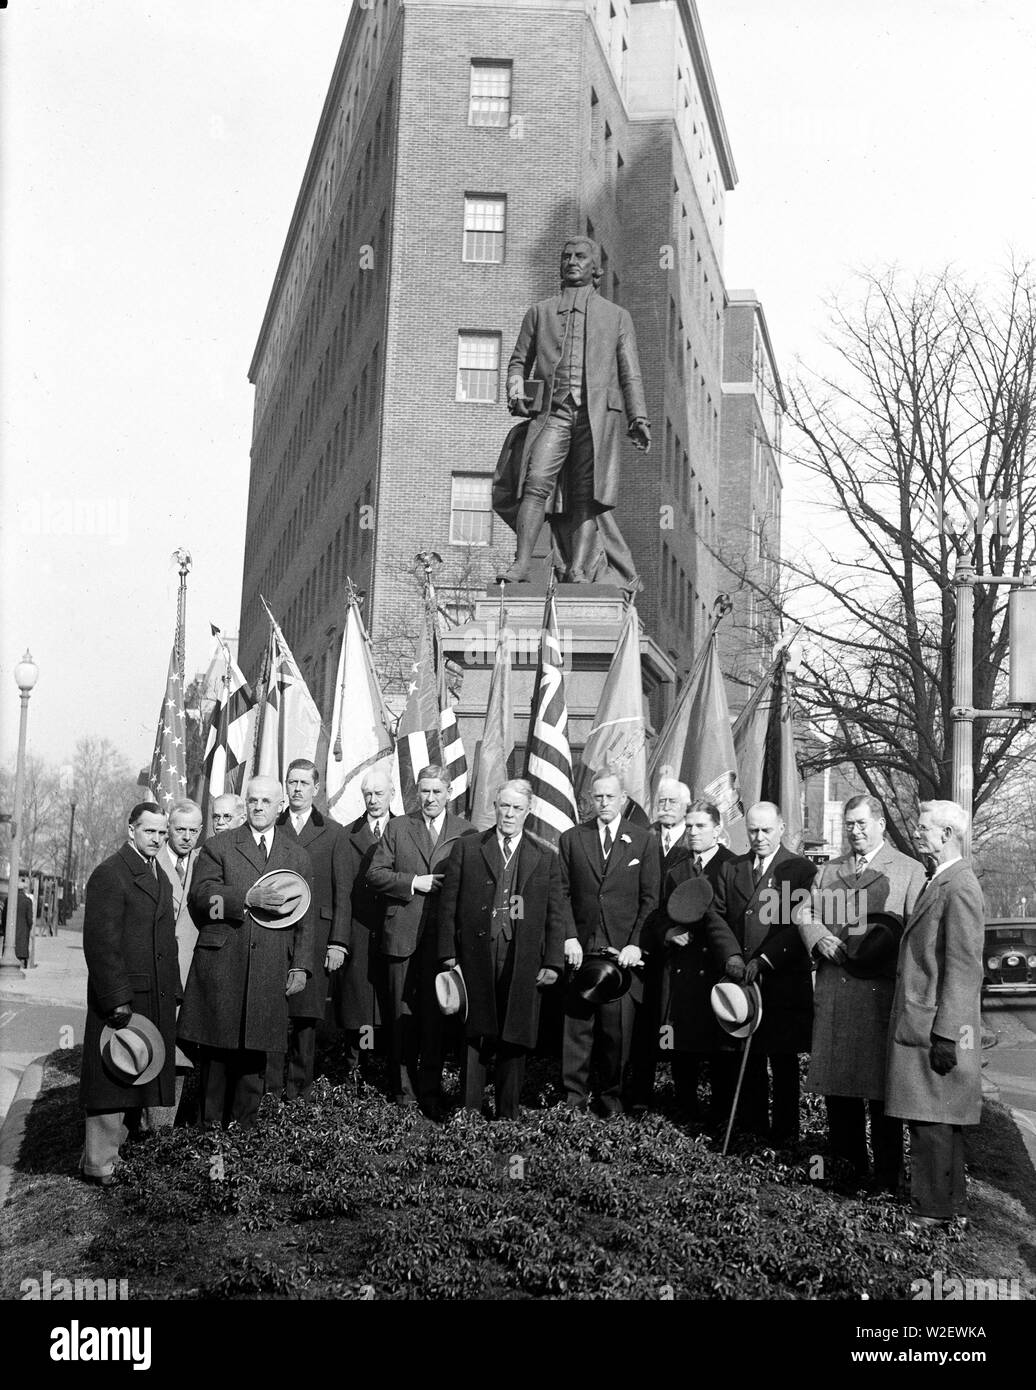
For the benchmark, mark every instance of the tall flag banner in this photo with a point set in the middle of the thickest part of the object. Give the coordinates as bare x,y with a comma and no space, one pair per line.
289,720
361,725
697,744
452,749
781,782
749,734
167,780
229,739
497,736
618,735
418,740
548,764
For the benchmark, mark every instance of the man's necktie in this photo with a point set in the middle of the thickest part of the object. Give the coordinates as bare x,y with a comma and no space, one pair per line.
376,832
263,849
153,867
757,873
181,871
508,848
667,842
861,864
607,846
698,865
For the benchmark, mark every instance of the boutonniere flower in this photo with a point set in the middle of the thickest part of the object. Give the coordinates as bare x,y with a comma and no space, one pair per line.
625,839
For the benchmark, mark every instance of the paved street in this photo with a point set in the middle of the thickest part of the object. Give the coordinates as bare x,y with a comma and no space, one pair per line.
41,1009
1012,1063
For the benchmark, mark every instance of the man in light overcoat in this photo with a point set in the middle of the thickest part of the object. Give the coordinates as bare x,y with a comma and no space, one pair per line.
935,1059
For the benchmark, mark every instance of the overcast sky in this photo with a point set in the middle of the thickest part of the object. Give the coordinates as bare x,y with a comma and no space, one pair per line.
151,158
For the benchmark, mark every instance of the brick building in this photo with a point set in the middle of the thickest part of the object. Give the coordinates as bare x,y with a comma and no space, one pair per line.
458,146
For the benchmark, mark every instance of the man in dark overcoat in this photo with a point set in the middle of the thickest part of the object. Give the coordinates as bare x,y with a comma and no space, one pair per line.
848,1059
610,874
584,351
324,840
683,965
358,984
935,1029
504,919
407,868
235,1007
129,941
761,896
24,919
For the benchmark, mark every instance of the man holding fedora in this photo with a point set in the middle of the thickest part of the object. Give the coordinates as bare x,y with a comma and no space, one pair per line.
133,986
407,867
934,1066
859,904
610,874
324,841
504,919
758,894
254,951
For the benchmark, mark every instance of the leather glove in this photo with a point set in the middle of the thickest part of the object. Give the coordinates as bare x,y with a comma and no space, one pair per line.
119,1016
943,1056
753,970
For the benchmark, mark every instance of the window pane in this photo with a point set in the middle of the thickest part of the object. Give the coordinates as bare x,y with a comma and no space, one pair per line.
478,364
471,513
490,99
484,223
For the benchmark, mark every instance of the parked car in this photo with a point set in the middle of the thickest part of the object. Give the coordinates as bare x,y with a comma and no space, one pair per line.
1009,962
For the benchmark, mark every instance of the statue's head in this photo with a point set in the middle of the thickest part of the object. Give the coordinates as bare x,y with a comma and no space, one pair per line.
580,262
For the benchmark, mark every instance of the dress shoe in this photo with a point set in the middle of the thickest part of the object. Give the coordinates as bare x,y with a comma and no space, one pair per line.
97,1179
929,1223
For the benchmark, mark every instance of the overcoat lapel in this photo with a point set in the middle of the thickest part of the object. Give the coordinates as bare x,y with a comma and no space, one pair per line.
592,848
248,847
528,857
142,875
493,861
419,838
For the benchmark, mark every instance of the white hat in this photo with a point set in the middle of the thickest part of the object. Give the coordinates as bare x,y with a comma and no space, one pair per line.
738,1008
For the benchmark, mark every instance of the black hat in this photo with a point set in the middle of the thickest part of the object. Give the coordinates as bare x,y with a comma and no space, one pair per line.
689,901
600,980
872,946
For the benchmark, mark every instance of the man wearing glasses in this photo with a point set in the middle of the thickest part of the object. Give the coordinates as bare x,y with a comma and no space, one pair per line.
228,812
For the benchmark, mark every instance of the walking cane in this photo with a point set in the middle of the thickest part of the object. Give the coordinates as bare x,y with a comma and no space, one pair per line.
737,1094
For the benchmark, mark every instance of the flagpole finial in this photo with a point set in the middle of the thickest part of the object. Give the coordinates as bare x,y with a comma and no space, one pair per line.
428,558
183,561
723,605
353,596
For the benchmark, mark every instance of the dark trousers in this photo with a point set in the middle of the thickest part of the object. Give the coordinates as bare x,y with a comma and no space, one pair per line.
565,435
401,1025
508,1068
847,1127
232,1083
292,1072
753,1111
594,1033
937,1170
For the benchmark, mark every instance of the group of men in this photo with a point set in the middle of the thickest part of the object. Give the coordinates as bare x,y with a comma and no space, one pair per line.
189,938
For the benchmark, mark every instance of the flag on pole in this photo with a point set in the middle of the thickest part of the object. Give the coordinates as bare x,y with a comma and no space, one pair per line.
697,743
497,736
764,745
618,736
289,719
450,746
167,780
229,738
548,759
361,725
418,739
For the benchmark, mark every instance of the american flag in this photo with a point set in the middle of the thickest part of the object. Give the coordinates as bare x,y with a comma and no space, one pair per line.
427,731
228,743
548,764
167,780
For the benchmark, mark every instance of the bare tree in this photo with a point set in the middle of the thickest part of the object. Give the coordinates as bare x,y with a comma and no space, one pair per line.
106,790
918,442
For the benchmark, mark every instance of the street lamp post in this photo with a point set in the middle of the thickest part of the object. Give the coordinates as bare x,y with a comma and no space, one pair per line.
66,896
25,674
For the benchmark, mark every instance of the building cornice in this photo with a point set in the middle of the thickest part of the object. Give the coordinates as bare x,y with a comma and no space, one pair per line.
709,93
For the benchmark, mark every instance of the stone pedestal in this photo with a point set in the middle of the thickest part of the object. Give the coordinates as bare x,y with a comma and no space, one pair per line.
589,622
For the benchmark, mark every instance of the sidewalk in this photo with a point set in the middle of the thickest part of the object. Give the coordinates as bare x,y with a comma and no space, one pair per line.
1011,1066
38,1005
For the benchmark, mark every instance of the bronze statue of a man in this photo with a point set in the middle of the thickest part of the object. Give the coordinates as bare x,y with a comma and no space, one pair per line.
568,450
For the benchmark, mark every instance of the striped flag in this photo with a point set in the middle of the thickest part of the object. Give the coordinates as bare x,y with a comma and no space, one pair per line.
167,780
289,719
418,742
548,760
228,742
452,749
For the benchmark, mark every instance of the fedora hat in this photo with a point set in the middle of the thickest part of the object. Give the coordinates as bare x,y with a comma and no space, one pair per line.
874,950
689,901
288,881
133,1054
451,992
600,979
738,1008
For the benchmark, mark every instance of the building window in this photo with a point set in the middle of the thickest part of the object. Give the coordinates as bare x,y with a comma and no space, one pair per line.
485,217
478,367
489,102
471,509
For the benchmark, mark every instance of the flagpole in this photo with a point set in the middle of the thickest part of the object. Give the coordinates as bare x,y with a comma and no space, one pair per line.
751,704
353,598
183,560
